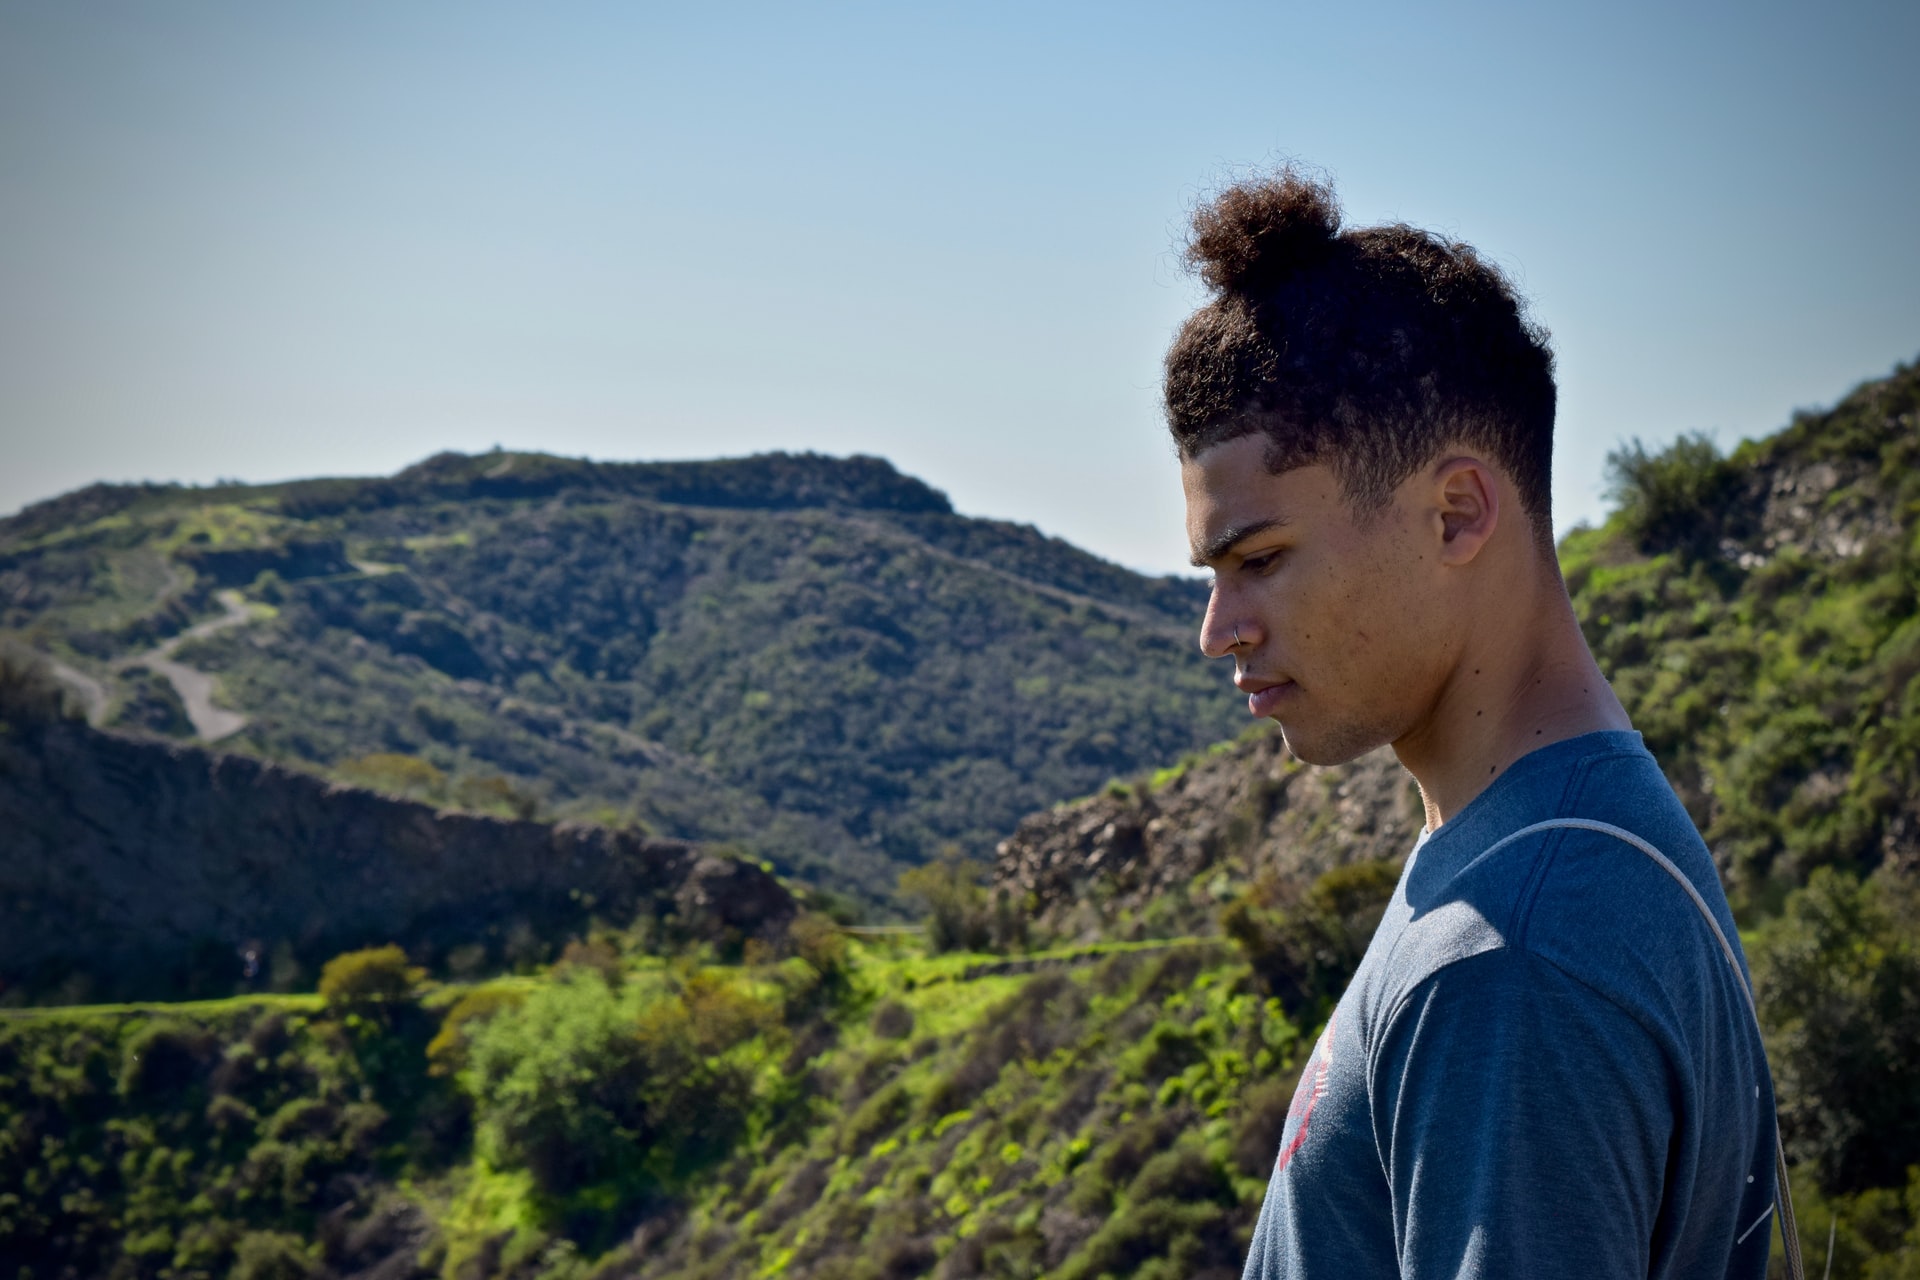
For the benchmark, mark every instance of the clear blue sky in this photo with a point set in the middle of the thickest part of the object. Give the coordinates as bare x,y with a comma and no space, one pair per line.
274,240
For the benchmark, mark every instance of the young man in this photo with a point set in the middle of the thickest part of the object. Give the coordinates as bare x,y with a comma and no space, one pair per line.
1545,1065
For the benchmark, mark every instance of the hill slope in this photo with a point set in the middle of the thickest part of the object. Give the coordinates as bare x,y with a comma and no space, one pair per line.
1759,615
142,870
812,658
860,1109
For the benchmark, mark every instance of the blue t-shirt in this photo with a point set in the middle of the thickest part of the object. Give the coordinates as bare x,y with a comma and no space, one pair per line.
1544,1066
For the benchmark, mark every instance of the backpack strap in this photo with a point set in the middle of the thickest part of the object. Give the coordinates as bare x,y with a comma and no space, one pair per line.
1783,1197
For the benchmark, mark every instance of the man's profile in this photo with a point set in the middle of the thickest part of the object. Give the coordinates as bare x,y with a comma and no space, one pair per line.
1544,1066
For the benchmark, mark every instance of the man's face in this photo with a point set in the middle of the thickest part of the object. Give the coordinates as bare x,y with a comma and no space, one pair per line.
1340,637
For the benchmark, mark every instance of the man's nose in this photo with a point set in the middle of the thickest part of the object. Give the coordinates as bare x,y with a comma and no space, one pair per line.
1220,632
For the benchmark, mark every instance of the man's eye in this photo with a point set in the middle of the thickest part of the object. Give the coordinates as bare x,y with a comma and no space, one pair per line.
1260,563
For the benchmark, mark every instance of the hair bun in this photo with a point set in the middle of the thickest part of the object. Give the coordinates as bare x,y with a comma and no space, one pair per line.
1256,233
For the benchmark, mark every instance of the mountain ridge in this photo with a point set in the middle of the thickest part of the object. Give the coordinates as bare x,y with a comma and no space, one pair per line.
812,658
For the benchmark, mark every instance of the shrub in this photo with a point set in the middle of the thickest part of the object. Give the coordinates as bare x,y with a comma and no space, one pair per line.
557,1086
395,774
883,1111
1356,894
1182,1173
596,954
817,940
582,1089
164,1058
447,1051
892,1020
1260,1126
1192,1236
949,890
722,1013
372,977
1304,947
1673,499
1127,1152
273,1255
29,693
1838,982
1168,1049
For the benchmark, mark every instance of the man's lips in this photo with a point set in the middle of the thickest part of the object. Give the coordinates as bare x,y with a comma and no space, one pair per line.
1266,699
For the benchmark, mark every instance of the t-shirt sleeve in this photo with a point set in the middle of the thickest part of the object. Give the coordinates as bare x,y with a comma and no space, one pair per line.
1523,1120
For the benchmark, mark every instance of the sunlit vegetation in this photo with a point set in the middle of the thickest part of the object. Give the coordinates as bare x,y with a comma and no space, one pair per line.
962,1101
846,1110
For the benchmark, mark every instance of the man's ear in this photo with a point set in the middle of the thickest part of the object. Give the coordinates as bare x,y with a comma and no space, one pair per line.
1467,507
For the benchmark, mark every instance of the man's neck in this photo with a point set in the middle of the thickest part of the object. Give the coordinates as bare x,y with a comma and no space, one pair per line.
1515,690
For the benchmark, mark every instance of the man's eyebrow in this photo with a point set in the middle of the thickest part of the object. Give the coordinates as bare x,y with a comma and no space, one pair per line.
1225,541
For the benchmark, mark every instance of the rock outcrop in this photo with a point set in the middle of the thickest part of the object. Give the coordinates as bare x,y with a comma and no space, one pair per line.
1161,855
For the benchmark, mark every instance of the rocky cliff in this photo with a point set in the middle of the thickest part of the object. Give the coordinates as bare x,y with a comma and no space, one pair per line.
140,869
1159,856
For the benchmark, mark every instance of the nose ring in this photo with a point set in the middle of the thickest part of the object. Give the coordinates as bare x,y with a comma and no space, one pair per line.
1236,635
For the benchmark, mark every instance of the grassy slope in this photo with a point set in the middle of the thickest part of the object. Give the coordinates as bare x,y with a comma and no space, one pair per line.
1096,1109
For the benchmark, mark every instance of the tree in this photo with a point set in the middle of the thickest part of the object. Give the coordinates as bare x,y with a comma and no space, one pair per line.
1675,498
950,891
357,981
1837,979
584,1087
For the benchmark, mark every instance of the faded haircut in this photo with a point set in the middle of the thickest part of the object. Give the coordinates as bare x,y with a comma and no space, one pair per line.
1368,350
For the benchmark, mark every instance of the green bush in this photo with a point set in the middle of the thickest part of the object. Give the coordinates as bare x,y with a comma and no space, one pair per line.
1675,498
1304,947
878,1114
582,1088
447,1051
1183,1238
558,1086
1263,1120
1184,1172
817,940
165,1057
1838,982
273,1255
892,1020
375,976
952,893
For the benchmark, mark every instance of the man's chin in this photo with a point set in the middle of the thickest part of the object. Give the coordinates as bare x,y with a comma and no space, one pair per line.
1330,746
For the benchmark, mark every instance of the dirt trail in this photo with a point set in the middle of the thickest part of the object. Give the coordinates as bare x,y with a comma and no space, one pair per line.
195,688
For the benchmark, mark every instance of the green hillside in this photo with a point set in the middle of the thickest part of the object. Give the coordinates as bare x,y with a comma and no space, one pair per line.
1759,615
811,658
1081,1068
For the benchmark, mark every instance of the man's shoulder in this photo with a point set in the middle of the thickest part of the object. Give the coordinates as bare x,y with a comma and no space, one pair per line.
1583,900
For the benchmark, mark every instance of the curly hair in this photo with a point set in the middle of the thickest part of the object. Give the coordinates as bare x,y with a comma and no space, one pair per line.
1369,350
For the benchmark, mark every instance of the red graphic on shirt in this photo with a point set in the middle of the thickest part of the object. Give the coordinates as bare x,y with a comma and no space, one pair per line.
1309,1092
